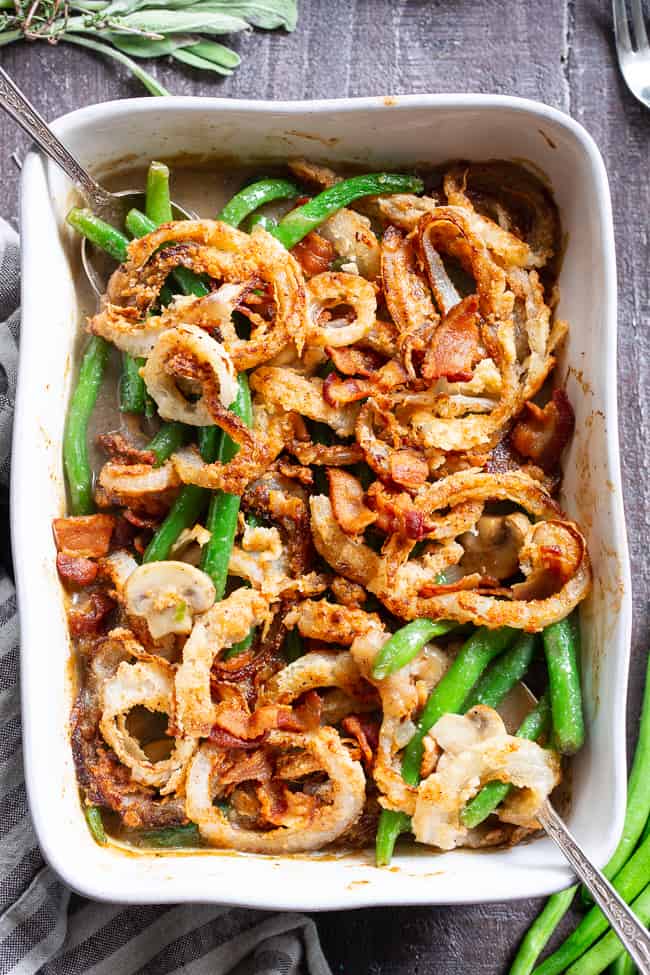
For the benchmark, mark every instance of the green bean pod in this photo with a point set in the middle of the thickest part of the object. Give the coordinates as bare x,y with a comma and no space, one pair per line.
540,931
391,826
255,195
405,644
100,233
158,204
608,949
133,392
168,440
184,512
301,221
75,437
95,822
561,649
502,676
170,837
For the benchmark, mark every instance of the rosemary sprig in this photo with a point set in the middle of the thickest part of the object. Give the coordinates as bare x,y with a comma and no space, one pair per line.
128,29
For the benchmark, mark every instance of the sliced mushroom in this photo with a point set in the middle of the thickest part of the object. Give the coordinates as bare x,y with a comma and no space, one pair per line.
493,550
168,595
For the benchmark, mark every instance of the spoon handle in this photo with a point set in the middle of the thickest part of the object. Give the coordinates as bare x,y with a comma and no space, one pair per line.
632,933
16,104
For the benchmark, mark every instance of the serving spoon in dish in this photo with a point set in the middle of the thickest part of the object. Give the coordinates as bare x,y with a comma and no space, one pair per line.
633,935
111,207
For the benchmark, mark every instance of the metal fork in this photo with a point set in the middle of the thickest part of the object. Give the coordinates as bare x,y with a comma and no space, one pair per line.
633,56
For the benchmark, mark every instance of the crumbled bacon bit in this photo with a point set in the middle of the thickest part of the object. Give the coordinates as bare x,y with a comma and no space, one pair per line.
542,434
86,536
314,254
408,468
347,498
76,571
119,448
224,739
354,362
90,617
140,521
340,392
122,533
396,512
244,768
366,732
455,345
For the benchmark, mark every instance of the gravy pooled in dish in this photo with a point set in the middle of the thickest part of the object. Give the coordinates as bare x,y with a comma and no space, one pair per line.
323,546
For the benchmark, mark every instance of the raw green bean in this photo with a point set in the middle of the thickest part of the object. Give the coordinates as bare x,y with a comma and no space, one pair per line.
75,437
502,676
448,696
95,822
133,392
185,512
540,931
561,649
299,222
169,837
98,232
254,196
637,812
158,206
391,826
224,508
607,950
493,794
293,647
629,882
406,643
168,440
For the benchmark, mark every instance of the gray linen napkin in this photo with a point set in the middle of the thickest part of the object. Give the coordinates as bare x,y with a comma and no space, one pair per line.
43,927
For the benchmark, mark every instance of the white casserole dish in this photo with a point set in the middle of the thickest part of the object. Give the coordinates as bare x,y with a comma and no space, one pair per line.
376,132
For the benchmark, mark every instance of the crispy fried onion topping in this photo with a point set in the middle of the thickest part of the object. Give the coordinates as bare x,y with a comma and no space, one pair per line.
189,354
149,684
552,555
241,262
292,391
476,750
340,309
313,825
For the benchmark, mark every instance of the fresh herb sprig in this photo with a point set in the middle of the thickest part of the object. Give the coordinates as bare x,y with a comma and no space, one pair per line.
128,29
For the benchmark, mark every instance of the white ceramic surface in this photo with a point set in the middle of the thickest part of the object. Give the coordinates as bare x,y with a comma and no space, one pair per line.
373,131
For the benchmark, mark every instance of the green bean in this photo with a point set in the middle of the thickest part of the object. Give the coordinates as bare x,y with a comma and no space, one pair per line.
98,232
493,794
168,440
209,443
623,965
299,222
406,643
293,646
95,822
169,837
540,931
607,950
629,882
391,826
224,508
254,196
158,206
561,649
75,437
451,691
133,392
262,220
502,676
637,812
185,512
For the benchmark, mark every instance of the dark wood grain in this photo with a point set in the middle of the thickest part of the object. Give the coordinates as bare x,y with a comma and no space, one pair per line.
559,51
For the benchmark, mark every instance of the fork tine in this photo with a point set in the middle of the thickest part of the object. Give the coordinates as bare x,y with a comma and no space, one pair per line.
621,28
640,34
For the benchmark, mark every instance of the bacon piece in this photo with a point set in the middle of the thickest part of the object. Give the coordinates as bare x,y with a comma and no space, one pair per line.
340,392
542,434
314,254
366,732
244,768
346,496
408,468
89,618
238,723
119,448
455,345
140,520
354,362
87,536
282,807
122,534
76,571
223,739
396,512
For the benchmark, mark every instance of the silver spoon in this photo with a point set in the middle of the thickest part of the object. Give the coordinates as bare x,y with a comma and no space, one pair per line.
111,207
633,935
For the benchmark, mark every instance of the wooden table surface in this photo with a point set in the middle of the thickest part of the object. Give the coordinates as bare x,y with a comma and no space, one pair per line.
560,52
